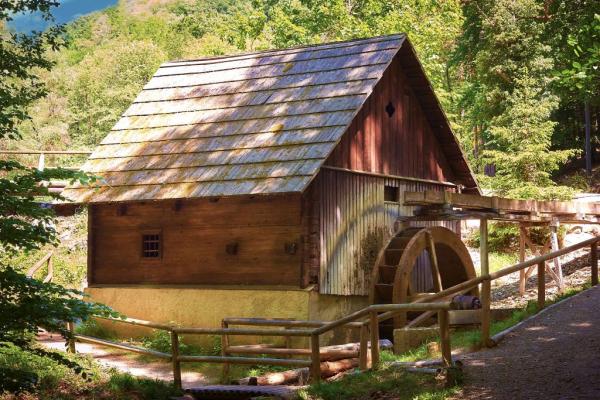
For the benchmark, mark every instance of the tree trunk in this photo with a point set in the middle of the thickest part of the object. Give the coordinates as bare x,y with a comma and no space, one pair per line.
588,139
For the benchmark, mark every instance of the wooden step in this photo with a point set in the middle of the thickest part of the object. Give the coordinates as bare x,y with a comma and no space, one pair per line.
387,273
392,256
384,292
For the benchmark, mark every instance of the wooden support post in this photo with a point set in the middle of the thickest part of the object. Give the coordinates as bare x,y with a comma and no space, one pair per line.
554,247
315,356
175,360
71,343
541,270
443,322
486,285
288,342
224,346
374,339
363,358
522,274
594,261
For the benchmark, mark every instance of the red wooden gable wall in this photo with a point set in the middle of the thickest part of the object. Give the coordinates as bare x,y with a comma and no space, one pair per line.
401,144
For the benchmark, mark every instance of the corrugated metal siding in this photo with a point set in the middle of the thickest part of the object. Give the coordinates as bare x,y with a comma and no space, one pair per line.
354,221
247,124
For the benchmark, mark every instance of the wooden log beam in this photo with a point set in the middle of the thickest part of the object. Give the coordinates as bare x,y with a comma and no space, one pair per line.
476,202
300,375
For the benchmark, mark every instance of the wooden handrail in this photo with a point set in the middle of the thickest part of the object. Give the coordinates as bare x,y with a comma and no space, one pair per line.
47,259
50,152
370,314
282,322
138,322
244,332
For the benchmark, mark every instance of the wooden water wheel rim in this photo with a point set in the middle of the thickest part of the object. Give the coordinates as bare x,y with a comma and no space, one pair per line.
449,259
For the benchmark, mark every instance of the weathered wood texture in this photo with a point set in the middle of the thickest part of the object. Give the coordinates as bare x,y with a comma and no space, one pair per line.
195,234
403,143
354,223
266,122
257,123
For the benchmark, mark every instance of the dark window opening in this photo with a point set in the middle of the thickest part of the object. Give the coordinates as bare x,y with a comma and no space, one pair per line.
390,193
389,109
151,246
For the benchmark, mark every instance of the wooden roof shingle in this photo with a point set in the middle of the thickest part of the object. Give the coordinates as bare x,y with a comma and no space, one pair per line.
245,124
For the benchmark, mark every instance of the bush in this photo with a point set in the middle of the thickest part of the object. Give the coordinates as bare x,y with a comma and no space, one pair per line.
504,236
91,327
161,341
38,374
26,304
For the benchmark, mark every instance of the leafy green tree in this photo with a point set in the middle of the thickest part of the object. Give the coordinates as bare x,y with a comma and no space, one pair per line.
24,224
574,31
511,70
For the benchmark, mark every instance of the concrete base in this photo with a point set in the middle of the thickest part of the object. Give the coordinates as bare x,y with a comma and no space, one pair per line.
205,307
408,338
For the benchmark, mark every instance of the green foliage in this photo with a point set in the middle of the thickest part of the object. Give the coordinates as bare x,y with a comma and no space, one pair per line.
511,68
42,374
28,303
161,341
92,327
96,101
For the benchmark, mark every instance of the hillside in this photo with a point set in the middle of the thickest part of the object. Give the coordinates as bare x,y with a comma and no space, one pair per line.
112,53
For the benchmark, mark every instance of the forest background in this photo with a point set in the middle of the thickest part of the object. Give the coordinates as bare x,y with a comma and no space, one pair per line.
515,77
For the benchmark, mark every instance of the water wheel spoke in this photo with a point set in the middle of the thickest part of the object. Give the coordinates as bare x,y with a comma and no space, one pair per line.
435,271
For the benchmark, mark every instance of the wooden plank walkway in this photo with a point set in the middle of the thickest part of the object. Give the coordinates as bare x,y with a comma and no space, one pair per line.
241,392
553,356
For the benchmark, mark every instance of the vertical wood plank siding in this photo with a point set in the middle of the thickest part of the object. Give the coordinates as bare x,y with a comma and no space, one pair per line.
404,143
354,222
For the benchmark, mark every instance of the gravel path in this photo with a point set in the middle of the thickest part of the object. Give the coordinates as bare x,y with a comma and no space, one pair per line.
553,356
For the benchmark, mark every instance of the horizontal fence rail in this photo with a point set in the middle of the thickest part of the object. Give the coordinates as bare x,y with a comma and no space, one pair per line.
366,319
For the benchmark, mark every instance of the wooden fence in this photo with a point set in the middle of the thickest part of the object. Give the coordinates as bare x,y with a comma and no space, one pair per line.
367,320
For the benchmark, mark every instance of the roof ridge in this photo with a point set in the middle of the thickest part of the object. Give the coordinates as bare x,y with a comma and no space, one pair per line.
286,50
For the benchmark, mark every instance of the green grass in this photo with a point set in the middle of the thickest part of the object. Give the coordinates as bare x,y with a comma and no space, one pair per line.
37,373
499,260
391,381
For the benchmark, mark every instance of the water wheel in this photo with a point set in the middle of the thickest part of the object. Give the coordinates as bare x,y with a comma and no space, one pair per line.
416,262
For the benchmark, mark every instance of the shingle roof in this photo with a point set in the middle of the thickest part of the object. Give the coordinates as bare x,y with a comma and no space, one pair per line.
246,124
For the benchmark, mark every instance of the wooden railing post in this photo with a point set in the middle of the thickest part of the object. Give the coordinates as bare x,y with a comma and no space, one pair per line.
224,346
374,339
315,356
175,360
71,341
594,261
444,324
522,275
363,360
486,285
541,271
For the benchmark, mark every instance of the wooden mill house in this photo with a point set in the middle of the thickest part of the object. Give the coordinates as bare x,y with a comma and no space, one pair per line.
264,184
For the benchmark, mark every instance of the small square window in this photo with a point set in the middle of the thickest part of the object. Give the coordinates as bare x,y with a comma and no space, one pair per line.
390,193
151,246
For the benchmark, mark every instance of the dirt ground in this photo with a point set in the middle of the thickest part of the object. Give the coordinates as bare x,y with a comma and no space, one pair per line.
556,355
